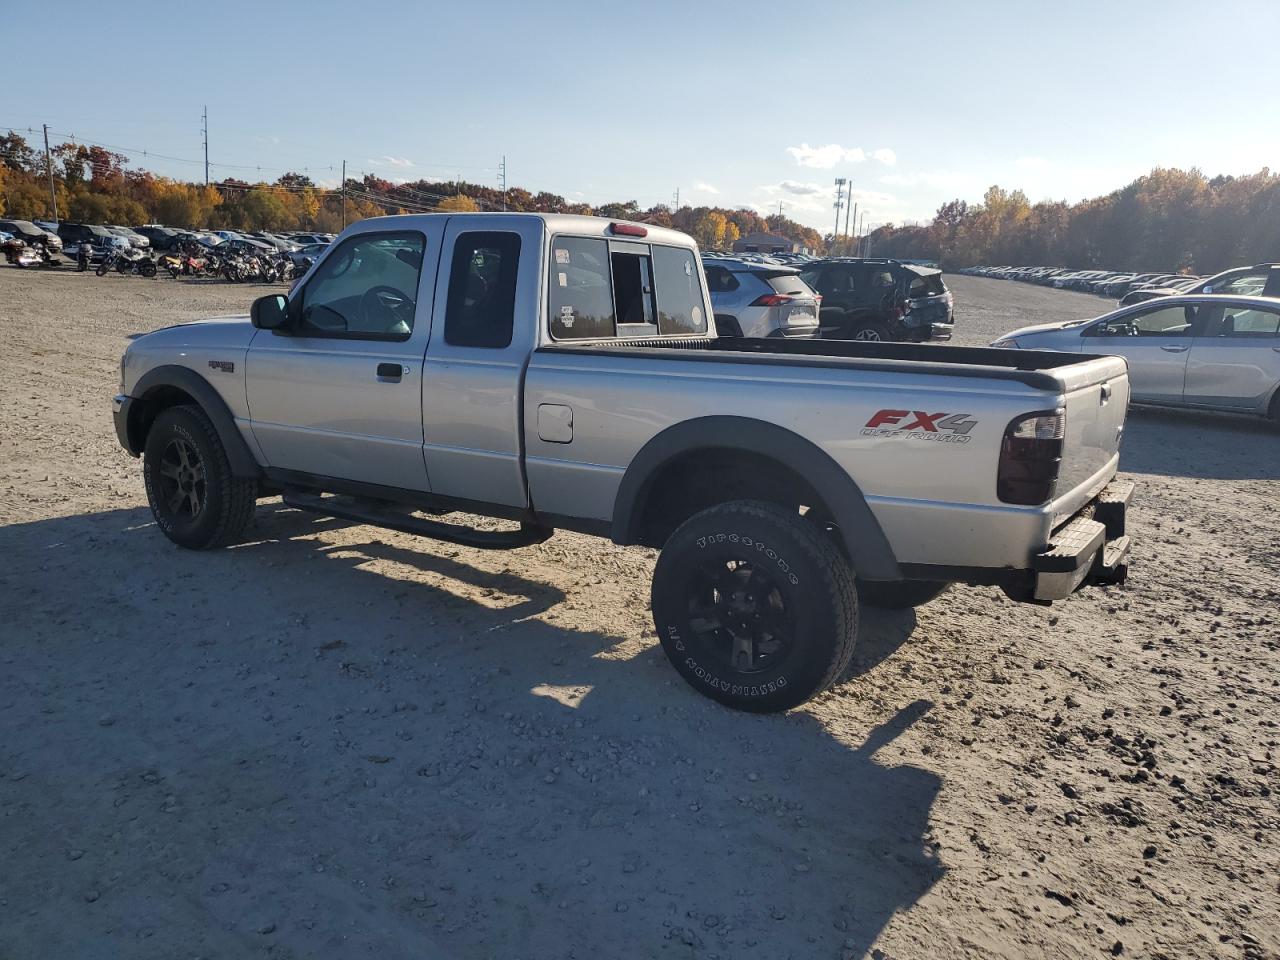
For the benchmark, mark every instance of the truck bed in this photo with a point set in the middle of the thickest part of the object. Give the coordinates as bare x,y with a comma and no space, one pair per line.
1023,366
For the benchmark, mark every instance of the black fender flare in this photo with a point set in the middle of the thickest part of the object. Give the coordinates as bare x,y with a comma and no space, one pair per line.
243,463
864,540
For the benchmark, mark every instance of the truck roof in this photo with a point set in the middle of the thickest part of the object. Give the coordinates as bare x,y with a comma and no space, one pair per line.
555,223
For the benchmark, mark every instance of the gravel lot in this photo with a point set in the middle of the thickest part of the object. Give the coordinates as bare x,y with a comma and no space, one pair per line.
338,741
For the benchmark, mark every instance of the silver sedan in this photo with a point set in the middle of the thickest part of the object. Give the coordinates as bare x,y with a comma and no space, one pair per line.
1210,351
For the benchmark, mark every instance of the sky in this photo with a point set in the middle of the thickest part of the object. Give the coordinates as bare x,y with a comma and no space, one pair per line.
733,104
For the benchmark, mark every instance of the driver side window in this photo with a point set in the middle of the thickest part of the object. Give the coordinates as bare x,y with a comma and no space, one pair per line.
1165,322
366,289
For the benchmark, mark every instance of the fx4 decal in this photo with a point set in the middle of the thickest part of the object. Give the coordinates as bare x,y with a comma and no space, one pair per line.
919,425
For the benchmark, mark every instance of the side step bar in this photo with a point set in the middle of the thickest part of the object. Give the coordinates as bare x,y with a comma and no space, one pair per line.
362,511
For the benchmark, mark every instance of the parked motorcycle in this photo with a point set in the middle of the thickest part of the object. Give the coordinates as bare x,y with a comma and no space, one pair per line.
142,265
36,255
120,259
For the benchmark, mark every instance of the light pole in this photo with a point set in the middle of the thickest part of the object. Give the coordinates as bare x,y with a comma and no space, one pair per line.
840,182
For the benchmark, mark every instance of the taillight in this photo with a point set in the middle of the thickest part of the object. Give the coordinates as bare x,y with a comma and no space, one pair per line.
771,300
1030,455
628,230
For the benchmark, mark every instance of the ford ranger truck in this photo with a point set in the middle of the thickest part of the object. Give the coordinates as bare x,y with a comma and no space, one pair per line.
560,371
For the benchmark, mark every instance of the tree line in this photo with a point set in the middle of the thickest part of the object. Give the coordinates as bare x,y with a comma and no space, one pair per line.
1170,219
94,185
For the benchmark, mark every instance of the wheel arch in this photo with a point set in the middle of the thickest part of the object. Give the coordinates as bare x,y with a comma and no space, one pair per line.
166,386
678,473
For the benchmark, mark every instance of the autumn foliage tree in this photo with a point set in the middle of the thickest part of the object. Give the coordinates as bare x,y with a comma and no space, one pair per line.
1168,219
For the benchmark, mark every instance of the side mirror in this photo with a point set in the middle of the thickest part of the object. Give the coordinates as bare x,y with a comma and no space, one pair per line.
270,312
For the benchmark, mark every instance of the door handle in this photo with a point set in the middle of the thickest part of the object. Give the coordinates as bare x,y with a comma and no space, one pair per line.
389,371
1173,348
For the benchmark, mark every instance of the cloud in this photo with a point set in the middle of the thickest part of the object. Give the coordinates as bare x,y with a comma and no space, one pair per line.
1031,163
826,157
389,161
704,188
831,154
793,187
936,179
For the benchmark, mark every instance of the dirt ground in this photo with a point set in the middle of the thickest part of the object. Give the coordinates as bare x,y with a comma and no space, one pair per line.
338,741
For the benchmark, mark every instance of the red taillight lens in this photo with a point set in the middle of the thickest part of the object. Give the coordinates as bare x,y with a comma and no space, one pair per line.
628,230
771,300
1030,455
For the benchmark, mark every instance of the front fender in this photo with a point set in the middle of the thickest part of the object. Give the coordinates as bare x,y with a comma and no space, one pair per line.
152,393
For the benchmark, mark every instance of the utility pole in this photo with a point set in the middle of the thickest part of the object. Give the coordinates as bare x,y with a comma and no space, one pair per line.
204,132
48,168
677,209
835,232
502,180
779,209
861,221
344,194
855,223
848,206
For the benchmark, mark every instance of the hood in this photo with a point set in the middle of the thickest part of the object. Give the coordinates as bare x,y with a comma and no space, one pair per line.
234,331
1045,328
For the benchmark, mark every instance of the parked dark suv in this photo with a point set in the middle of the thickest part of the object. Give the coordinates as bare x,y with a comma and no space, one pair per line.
876,299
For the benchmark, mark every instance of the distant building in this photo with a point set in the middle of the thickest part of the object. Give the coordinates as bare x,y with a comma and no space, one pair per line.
766,243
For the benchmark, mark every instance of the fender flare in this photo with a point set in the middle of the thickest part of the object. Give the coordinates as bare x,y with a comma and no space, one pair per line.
867,546
188,381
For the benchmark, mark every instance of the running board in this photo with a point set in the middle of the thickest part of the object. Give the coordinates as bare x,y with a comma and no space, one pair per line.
360,511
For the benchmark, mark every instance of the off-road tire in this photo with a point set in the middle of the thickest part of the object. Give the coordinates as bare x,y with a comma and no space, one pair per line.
225,501
899,594
811,595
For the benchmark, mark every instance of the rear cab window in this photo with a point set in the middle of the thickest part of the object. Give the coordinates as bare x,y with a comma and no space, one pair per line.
603,288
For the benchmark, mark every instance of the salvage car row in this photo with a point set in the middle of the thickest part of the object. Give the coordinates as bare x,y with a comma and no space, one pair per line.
1260,279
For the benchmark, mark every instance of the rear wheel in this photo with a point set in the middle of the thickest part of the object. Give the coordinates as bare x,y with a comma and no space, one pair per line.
870,332
148,268
899,594
194,497
755,606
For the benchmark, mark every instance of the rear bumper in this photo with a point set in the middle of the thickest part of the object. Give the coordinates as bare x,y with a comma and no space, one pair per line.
926,332
1090,548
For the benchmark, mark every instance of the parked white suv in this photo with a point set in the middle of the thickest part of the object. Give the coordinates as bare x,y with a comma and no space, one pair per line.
760,299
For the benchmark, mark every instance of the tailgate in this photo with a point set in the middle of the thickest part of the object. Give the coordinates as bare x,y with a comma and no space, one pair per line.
1096,395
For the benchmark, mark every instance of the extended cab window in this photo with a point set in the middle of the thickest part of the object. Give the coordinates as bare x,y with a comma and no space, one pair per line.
676,276
366,289
482,289
581,298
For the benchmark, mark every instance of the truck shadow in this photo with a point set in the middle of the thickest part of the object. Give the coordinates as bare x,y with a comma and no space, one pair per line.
1205,446
341,735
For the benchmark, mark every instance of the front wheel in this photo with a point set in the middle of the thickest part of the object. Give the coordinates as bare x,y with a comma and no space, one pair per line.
148,268
196,500
755,606
102,269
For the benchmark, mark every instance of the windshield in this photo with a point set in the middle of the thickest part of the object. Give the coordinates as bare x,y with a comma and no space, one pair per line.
24,227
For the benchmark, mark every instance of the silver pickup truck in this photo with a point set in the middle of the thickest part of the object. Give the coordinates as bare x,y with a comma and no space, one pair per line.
560,372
